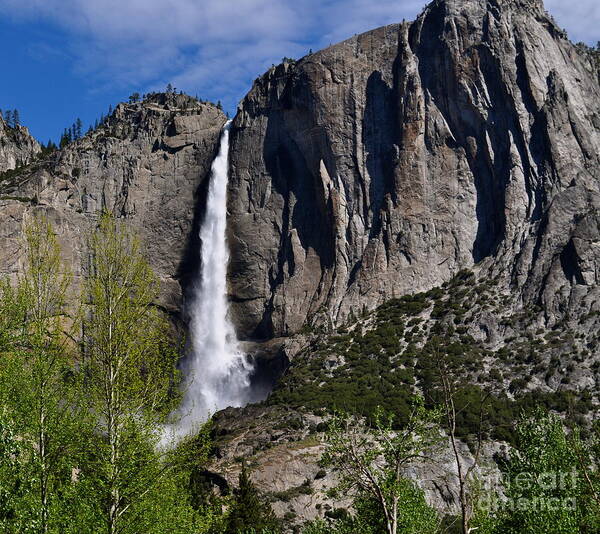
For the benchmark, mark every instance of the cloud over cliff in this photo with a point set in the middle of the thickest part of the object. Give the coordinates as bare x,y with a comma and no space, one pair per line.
216,47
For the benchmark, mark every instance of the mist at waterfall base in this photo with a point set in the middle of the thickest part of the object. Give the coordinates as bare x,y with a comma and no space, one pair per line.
216,372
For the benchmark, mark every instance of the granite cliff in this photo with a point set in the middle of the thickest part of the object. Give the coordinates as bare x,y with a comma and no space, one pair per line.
147,164
376,167
386,163
456,155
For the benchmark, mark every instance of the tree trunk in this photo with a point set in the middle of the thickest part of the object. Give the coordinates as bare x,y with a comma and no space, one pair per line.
113,437
463,508
43,468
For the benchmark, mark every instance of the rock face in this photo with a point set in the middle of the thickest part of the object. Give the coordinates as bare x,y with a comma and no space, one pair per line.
147,164
382,165
17,147
282,449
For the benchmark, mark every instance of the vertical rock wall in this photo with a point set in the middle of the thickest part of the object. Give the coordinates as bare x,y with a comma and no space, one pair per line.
384,164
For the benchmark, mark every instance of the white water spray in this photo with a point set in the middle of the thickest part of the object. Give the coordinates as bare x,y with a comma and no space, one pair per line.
217,373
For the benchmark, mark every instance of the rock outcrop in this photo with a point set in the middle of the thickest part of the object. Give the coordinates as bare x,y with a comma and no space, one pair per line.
384,164
147,164
17,147
283,449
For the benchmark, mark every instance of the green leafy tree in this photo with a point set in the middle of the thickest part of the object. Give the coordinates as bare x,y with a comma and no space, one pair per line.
371,459
38,380
74,464
45,362
249,512
130,369
587,453
415,515
546,494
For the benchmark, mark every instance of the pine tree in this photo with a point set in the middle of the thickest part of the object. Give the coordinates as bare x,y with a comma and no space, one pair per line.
49,147
64,139
9,118
16,118
249,511
78,128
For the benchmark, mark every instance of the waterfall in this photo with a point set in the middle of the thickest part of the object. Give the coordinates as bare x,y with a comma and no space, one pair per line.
217,373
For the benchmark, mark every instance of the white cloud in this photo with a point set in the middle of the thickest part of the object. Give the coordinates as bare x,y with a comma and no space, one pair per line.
216,47
206,46
581,18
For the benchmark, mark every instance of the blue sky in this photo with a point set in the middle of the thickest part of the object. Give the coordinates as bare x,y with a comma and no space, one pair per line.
64,59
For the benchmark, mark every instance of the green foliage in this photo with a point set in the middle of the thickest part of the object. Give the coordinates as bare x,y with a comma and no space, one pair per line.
40,400
370,458
124,330
78,437
15,483
249,511
545,488
303,489
379,361
415,515
80,421
73,133
129,372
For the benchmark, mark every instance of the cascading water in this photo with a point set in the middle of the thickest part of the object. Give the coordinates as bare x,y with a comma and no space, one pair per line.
217,373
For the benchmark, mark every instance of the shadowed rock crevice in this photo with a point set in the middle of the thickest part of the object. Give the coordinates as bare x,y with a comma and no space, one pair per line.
569,261
379,134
